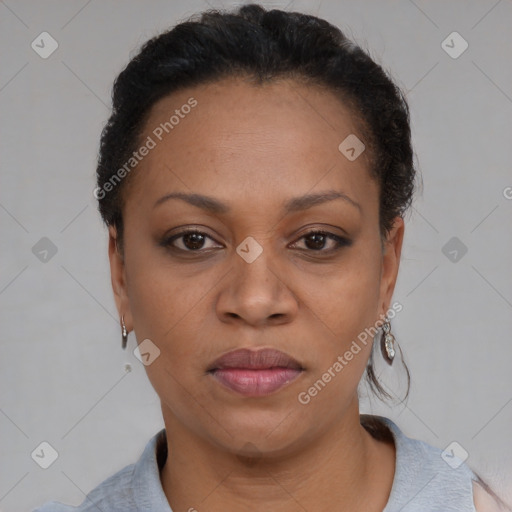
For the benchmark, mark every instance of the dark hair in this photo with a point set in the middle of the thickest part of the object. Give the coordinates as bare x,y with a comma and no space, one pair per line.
262,45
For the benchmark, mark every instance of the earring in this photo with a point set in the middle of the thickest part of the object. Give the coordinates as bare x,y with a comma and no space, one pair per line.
124,333
387,342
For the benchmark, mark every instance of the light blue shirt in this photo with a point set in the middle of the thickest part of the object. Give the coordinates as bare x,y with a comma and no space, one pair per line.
423,481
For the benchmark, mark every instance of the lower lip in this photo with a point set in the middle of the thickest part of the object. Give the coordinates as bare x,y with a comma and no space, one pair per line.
255,382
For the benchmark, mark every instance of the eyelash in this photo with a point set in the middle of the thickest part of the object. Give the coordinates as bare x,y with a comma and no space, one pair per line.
340,241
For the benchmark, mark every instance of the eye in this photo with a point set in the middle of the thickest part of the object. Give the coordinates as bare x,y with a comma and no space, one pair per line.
317,240
191,240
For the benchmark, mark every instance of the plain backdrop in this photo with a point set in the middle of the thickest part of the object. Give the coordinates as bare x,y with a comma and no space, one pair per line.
64,378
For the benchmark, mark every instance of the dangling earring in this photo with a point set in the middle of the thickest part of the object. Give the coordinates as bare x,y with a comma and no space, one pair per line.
387,342
124,333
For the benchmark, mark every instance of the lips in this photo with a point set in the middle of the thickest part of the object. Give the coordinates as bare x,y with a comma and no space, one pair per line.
255,373
263,359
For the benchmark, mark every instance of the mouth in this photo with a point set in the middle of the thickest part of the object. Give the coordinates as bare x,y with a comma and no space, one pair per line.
255,373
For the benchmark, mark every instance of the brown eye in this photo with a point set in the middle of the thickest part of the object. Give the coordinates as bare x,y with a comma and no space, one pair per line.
193,241
318,240
188,241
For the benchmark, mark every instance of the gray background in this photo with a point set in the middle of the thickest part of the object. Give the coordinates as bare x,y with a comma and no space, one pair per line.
64,378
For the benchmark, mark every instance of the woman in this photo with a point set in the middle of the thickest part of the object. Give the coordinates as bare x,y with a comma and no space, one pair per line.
254,175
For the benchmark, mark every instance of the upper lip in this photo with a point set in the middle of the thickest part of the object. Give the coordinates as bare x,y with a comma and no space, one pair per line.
255,360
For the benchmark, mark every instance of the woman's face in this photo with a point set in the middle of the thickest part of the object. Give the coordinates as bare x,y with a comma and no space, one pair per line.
253,278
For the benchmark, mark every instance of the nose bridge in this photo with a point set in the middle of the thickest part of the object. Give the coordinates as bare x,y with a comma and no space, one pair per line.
256,292
253,274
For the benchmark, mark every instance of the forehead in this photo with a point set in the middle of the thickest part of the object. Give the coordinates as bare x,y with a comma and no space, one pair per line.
238,139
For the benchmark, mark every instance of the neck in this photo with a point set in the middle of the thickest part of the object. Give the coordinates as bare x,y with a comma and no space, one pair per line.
200,475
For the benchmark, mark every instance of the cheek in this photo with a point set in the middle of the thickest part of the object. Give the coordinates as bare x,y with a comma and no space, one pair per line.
339,314
171,314
344,314
162,294
167,307
345,298
168,312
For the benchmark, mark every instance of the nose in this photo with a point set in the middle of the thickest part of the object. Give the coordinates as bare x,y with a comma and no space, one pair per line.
256,293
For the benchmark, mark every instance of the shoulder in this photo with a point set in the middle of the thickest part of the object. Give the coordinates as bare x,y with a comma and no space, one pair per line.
427,478
115,491
135,486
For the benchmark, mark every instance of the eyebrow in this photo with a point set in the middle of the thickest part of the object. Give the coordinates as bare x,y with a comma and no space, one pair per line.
292,205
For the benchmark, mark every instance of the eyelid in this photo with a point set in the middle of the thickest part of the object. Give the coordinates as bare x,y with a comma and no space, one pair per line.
169,239
340,240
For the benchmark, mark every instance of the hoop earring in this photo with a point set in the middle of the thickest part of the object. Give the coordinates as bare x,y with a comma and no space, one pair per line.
124,333
387,342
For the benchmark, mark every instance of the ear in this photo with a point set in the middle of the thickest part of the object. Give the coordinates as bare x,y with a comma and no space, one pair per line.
392,249
118,278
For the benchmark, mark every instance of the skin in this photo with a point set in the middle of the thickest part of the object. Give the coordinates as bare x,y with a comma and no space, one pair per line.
253,148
